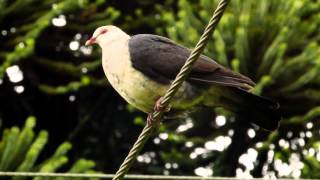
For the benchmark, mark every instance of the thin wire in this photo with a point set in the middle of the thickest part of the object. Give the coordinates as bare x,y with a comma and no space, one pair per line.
104,176
157,115
109,176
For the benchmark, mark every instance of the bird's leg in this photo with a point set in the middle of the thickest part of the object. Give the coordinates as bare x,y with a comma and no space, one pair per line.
160,107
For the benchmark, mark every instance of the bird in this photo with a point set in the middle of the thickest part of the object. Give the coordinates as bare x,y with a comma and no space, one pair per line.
141,68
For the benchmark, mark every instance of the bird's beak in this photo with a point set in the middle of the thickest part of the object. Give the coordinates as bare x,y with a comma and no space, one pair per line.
90,41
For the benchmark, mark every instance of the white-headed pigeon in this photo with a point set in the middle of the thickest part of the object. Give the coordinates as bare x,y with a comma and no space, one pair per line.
141,68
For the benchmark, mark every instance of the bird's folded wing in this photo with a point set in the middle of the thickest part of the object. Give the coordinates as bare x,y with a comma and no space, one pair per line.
161,59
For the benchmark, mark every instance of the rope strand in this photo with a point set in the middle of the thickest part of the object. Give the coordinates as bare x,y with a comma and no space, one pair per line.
148,129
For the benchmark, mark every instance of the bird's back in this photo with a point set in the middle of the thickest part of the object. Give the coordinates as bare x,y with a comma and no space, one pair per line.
161,59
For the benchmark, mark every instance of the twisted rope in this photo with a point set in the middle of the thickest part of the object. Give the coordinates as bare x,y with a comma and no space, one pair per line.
157,115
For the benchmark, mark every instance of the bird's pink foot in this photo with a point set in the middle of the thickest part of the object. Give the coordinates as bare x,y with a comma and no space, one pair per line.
150,120
160,107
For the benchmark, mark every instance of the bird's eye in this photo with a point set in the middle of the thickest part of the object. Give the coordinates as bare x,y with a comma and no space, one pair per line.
103,31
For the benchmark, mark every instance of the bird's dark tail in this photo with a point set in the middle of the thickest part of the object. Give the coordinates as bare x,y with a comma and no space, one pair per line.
259,110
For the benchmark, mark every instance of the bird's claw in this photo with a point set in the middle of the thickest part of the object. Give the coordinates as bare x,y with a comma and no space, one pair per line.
150,120
160,107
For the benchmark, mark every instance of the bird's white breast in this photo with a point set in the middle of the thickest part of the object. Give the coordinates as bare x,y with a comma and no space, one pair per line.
132,85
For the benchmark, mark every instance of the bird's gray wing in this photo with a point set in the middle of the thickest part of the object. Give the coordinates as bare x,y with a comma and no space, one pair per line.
161,59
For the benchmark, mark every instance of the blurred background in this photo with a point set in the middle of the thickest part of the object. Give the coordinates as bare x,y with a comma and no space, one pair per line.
59,114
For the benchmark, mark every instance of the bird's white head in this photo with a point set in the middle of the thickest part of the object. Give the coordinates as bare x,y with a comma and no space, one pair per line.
105,35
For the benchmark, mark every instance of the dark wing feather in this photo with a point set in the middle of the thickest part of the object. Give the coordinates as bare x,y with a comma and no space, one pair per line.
161,59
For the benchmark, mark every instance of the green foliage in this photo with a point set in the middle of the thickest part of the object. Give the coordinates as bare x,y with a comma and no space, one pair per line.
276,43
22,37
20,150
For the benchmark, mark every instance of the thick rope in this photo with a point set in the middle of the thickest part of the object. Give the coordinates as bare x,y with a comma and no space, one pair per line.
157,115
108,176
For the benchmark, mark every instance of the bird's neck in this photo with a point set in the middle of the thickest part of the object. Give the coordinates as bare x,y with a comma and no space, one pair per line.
115,54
